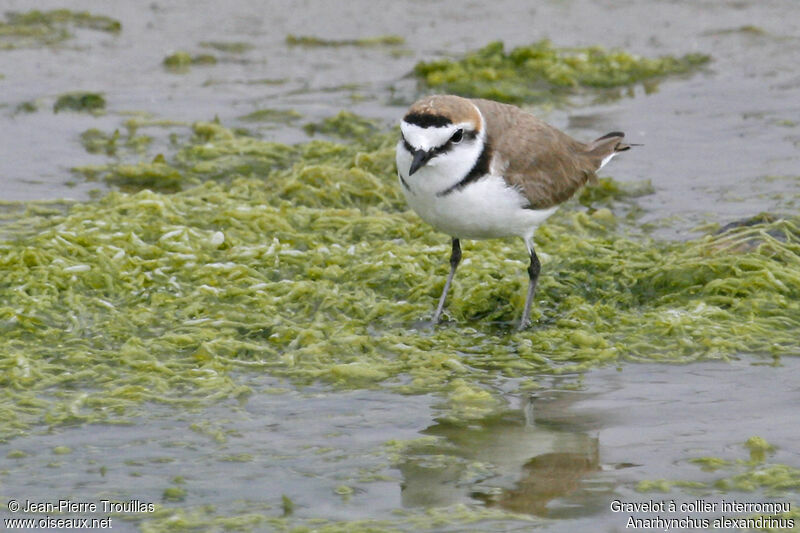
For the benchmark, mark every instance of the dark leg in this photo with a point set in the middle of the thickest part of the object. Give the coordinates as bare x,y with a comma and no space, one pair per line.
533,273
455,259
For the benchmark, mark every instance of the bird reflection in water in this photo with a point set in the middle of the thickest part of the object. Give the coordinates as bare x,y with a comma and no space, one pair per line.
510,461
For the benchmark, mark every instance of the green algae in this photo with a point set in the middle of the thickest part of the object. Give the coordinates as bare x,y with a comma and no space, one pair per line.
80,102
228,47
453,518
283,116
759,449
181,61
30,106
80,19
774,480
345,125
540,72
664,485
18,219
218,435
157,175
174,494
144,120
178,60
304,262
608,189
45,28
96,141
382,40
709,464
747,29
754,474
287,505
219,153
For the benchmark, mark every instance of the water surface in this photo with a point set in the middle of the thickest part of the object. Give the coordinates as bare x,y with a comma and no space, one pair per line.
718,146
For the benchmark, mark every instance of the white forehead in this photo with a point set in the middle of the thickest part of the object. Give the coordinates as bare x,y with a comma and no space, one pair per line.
427,138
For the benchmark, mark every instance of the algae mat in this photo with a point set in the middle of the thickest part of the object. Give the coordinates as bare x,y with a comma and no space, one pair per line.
318,272
303,264
540,72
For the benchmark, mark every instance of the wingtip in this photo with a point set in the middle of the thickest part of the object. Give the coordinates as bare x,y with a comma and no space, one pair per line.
621,147
611,135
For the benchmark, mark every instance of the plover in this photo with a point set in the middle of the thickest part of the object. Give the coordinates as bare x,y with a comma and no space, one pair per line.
478,169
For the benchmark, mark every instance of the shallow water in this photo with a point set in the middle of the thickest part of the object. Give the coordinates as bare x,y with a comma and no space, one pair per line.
561,455
719,145
710,140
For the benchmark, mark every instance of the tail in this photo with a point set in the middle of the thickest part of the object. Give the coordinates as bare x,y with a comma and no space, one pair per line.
602,149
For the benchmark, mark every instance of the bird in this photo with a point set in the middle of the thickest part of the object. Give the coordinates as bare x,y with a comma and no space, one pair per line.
479,169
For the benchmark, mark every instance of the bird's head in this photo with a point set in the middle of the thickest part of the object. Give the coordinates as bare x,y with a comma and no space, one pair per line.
438,129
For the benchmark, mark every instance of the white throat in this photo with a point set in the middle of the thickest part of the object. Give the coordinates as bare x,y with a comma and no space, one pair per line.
443,170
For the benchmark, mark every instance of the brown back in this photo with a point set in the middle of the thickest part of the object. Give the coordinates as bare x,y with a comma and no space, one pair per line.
547,166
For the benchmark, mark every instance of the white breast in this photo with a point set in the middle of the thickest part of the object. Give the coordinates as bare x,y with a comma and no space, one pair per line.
483,209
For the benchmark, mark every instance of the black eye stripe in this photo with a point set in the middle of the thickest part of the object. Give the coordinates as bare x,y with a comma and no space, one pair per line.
446,147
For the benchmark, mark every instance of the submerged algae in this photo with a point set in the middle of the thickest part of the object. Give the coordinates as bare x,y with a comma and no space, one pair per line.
42,28
463,517
181,61
541,72
345,125
304,262
81,102
283,116
228,47
383,40
775,480
96,142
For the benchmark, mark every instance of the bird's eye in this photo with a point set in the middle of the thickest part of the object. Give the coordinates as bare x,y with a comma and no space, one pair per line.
457,136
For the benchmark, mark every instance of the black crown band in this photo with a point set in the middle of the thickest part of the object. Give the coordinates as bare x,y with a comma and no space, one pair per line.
426,120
